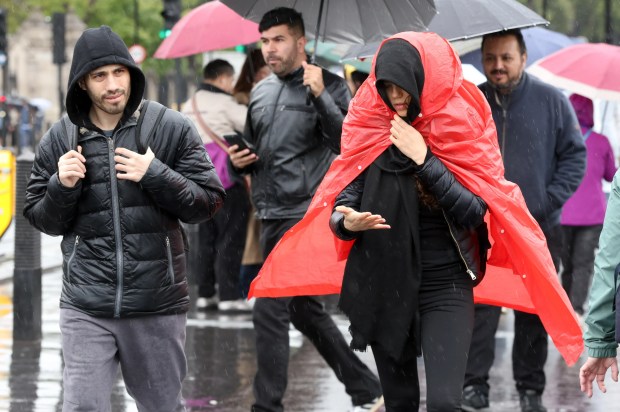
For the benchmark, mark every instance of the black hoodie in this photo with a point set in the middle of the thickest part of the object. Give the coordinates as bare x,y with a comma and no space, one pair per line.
95,48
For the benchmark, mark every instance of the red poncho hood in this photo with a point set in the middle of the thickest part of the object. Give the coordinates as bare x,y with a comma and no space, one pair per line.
456,122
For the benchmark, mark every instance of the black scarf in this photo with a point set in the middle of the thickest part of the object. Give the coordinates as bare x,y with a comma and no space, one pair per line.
383,271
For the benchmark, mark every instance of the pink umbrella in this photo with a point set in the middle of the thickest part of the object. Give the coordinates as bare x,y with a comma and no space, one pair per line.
211,26
590,69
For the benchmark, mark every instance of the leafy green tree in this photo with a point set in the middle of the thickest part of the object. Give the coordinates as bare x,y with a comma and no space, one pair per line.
578,17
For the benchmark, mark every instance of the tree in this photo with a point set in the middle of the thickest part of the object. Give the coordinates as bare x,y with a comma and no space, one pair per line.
578,17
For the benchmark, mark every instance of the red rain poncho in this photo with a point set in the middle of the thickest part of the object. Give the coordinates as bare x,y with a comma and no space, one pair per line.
457,125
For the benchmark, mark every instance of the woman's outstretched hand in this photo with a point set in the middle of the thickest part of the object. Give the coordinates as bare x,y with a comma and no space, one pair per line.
408,140
359,221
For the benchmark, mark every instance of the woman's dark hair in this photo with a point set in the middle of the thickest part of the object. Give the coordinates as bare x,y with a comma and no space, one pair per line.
253,63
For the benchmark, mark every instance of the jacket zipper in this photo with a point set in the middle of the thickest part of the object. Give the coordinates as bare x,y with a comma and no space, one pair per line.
75,245
116,218
266,142
471,274
170,268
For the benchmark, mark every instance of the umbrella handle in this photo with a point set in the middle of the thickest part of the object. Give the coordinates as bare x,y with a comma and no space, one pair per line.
312,61
316,43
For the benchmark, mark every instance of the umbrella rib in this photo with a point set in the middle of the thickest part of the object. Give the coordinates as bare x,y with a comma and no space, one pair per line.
391,17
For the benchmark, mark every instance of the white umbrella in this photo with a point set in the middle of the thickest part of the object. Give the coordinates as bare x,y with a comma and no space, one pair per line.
41,103
473,75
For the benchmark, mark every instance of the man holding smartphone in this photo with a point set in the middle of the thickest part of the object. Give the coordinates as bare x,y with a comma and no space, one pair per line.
296,138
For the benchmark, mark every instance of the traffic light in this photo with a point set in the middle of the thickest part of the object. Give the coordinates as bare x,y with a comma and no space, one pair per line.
58,31
3,42
171,14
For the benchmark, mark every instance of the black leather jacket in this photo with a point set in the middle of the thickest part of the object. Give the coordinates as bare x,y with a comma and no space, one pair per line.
463,210
295,140
123,245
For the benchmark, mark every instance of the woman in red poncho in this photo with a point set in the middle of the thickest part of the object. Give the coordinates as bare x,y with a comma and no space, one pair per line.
456,123
408,282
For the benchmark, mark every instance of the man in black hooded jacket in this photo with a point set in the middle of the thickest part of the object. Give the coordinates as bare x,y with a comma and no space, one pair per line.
125,296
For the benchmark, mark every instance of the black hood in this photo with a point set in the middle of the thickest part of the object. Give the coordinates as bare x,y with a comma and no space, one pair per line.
95,48
399,62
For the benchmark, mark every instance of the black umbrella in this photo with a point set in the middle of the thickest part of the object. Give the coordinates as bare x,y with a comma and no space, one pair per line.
347,21
464,19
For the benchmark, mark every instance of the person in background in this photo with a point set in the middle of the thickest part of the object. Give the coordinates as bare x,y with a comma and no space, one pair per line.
125,294
216,113
602,332
254,70
355,80
296,136
544,154
583,214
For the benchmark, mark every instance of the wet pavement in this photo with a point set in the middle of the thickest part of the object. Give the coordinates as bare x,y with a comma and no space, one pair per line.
221,360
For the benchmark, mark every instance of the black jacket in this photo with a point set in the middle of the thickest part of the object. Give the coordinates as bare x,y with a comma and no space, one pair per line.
541,143
464,213
295,141
123,246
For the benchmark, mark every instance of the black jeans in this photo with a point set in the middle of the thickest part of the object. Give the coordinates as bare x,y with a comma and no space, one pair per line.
222,240
530,346
446,320
579,246
271,323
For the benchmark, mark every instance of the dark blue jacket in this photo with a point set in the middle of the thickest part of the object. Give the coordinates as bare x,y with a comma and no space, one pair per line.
541,144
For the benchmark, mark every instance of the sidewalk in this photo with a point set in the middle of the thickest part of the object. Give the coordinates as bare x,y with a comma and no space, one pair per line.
222,361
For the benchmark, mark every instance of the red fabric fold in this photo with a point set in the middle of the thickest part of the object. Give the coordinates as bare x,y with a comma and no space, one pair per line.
457,125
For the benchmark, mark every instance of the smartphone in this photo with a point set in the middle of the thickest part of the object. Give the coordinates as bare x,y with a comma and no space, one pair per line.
237,139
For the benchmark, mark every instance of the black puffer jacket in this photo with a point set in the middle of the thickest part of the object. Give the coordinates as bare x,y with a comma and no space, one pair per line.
123,246
295,141
463,211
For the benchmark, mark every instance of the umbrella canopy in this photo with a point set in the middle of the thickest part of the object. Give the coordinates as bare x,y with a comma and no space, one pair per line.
348,21
590,69
461,20
540,42
211,26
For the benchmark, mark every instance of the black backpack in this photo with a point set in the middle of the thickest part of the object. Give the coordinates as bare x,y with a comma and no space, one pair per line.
149,119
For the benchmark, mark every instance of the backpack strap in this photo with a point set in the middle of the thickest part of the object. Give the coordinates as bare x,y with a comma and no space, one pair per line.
214,136
151,114
71,131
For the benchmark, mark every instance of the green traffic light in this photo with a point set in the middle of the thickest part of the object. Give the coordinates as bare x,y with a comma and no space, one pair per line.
163,33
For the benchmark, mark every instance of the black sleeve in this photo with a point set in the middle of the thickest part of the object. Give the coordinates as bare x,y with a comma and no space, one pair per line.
456,200
331,107
351,197
49,206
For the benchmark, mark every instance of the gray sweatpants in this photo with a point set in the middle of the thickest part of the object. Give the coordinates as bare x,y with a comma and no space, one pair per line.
149,349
